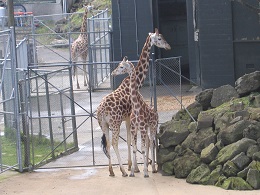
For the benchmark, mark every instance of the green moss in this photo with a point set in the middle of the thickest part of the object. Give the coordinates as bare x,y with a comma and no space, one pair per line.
226,106
236,183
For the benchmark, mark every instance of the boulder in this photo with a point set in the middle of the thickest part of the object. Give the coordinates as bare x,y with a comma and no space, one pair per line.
256,156
173,133
253,178
197,141
167,168
209,153
205,120
248,83
223,94
233,133
193,110
223,121
162,158
215,175
204,98
183,165
241,160
252,131
231,150
254,113
193,126
252,150
235,183
199,175
230,169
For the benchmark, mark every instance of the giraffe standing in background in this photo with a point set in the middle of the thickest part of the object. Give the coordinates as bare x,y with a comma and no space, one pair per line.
116,106
80,48
142,118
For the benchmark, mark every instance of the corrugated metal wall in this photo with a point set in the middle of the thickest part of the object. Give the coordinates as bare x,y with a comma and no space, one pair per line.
246,33
214,20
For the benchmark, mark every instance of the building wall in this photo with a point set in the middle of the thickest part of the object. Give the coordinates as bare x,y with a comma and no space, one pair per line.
246,33
214,52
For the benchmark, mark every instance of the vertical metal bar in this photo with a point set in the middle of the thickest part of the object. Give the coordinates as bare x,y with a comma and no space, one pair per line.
30,110
72,108
179,63
91,124
49,114
63,122
38,107
16,100
26,137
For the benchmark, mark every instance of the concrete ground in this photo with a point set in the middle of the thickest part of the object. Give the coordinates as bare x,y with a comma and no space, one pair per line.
97,182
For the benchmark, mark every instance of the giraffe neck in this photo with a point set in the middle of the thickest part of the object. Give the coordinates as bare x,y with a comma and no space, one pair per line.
133,89
83,28
143,63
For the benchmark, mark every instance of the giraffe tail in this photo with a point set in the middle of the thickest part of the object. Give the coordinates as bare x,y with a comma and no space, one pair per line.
104,145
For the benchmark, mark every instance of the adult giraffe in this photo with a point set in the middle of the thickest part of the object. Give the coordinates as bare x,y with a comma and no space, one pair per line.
143,118
116,106
80,48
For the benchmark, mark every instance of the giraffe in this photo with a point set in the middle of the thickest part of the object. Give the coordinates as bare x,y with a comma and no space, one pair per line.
80,48
142,117
116,106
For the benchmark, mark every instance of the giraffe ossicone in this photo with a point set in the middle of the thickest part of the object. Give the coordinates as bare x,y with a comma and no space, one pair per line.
116,106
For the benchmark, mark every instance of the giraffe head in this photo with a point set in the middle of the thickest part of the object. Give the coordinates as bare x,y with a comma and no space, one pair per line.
123,67
158,40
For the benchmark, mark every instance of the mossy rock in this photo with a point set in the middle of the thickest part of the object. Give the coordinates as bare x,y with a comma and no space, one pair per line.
235,183
200,175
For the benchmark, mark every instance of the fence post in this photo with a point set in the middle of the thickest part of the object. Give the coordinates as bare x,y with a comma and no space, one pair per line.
26,137
16,119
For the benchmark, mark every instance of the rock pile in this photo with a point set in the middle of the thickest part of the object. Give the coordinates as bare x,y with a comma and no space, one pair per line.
221,146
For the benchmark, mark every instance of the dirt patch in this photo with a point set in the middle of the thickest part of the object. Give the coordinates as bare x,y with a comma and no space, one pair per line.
168,103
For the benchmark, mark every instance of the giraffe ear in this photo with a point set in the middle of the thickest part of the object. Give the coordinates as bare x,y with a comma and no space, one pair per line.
125,58
156,31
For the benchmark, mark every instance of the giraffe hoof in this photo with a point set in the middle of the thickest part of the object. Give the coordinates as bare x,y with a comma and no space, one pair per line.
145,176
155,171
112,175
131,175
137,171
125,175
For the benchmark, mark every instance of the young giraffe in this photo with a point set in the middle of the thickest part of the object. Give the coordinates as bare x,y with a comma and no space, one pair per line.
142,117
116,106
80,48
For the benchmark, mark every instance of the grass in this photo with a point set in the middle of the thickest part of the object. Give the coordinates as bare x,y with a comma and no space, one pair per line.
41,150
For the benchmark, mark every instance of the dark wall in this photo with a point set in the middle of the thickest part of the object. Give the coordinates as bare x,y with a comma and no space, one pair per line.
215,43
192,45
246,32
132,21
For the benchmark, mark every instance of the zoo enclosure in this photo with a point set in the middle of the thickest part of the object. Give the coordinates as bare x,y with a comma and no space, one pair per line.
51,111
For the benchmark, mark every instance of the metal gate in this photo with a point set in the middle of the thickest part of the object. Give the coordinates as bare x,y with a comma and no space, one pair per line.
10,142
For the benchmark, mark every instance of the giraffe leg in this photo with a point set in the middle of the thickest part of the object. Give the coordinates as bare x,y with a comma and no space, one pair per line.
85,71
152,146
76,73
134,140
106,147
127,122
144,149
115,138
